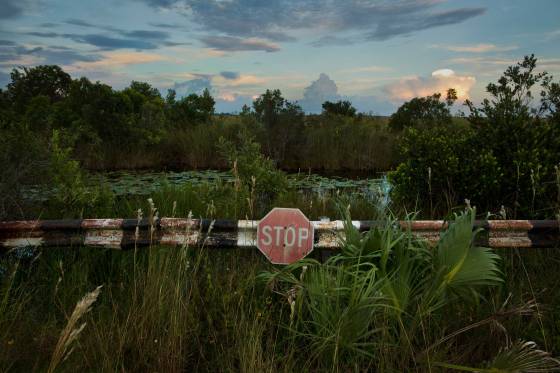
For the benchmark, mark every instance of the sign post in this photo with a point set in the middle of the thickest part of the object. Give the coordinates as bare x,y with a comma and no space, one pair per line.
285,235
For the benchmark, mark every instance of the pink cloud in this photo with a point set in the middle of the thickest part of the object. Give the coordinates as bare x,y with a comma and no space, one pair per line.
439,82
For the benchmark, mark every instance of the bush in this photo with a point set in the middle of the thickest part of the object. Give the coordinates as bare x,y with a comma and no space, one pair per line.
423,111
23,163
254,172
385,300
72,195
505,156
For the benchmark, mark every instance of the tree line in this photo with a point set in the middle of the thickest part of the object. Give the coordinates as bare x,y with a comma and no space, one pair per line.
502,155
139,128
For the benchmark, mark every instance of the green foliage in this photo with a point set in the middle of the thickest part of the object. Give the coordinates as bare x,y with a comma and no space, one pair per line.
283,122
71,193
256,173
423,112
343,108
518,357
384,304
22,160
44,80
506,156
373,300
189,110
137,128
462,265
441,168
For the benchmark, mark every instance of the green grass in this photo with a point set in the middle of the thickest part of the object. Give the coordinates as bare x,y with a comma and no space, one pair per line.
195,309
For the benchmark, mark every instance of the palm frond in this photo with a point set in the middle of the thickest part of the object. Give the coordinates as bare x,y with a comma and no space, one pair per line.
523,357
462,266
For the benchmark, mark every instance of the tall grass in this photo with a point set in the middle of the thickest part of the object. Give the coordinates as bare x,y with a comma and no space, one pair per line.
386,303
324,143
386,300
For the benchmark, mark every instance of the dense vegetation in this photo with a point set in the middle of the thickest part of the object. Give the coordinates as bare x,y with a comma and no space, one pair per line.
138,128
387,301
505,157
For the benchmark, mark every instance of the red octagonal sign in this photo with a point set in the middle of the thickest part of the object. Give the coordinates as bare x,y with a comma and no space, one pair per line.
285,235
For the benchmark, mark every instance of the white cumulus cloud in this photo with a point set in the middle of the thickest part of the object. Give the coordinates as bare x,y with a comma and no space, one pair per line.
319,91
438,82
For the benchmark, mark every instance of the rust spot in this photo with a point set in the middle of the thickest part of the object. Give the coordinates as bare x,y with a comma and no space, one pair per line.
102,223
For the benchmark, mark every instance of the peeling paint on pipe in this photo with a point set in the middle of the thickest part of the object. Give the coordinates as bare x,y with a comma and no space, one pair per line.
121,233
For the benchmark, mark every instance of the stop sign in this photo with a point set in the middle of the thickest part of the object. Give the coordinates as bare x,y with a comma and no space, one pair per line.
285,235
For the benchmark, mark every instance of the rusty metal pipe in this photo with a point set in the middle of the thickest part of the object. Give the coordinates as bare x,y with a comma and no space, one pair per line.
127,233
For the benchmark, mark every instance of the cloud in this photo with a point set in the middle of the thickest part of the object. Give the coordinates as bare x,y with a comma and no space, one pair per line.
42,34
239,81
476,48
496,61
170,26
110,43
319,91
276,20
138,39
230,93
20,55
146,34
118,59
4,79
372,104
549,63
439,82
129,39
48,25
161,3
232,103
11,8
367,69
196,86
234,44
79,22
388,28
552,35
332,41
501,63
231,75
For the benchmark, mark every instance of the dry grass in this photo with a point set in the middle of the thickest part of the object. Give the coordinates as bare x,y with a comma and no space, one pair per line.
69,336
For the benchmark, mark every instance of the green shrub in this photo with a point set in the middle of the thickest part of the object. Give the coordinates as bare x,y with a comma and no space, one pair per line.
382,301
505,156
72,195
254,170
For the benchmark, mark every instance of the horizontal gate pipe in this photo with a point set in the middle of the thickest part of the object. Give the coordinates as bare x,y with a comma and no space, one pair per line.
130,233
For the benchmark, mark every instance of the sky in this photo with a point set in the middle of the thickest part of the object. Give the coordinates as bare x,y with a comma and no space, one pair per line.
376,53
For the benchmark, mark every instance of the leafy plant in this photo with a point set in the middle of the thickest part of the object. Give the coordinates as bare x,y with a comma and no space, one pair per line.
503,156
72,195
376,296
518,357
253,169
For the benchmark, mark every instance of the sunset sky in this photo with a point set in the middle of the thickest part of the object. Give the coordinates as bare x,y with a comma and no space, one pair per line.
375,53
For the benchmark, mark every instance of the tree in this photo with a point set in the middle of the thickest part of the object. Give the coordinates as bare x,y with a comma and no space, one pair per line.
282,120
268,107
145,89
46,80
191,109
6,112
526,146
506,156
342,108
423,111
511,96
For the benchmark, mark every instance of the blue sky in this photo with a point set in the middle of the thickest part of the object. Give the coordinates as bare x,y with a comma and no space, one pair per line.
375,53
